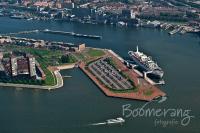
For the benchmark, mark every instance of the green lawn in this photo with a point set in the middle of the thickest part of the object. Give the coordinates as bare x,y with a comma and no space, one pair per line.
148,92
50,78
95,53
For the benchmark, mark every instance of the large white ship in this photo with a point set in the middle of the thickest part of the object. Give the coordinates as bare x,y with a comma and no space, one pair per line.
146,63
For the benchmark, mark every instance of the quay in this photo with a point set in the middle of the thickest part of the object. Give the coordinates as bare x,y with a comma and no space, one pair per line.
71,34
66,66
55,32
139,82
21,32
55,71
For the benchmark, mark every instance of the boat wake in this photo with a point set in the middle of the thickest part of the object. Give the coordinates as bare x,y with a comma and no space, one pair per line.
164,98
97,124
118,120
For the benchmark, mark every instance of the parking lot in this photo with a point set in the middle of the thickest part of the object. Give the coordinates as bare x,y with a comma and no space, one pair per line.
108,75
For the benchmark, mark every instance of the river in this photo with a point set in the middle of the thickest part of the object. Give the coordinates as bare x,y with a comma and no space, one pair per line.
79,103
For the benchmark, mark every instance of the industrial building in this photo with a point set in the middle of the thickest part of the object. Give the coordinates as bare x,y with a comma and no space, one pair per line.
22,66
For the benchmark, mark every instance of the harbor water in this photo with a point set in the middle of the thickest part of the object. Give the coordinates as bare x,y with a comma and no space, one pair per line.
79,103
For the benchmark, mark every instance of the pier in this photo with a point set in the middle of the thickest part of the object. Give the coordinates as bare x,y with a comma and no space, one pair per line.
21,32
55,32
175,31
67,76
144,90
71,34
161,82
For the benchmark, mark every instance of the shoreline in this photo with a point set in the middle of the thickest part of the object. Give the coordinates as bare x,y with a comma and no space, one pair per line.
162,26
156,92
142,86
55,71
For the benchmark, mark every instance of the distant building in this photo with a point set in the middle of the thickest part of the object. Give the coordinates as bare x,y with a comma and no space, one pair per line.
128,13
81,12
5,40
58,4
42,4
81,47
39,44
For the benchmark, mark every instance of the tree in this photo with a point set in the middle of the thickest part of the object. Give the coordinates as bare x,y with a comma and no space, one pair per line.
65,59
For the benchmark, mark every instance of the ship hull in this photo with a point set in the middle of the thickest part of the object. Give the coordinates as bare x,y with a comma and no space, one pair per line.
154,73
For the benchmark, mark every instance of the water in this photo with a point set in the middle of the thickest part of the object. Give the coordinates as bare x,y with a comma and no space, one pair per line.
79,103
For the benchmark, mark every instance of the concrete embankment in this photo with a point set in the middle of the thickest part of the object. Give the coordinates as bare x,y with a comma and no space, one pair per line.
58,84
145,92
54,70
149,80
66,66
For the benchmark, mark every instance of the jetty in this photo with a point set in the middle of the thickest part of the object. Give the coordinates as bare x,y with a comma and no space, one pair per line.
55,32
144,91
21,32
71,34
67,76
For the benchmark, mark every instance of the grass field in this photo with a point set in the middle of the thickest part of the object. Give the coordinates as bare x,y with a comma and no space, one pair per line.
95,52
148,92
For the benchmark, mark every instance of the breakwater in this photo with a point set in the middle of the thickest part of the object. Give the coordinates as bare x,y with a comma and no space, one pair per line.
71,34
55,32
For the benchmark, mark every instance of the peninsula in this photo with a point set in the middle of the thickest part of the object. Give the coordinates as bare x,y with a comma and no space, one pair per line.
30,63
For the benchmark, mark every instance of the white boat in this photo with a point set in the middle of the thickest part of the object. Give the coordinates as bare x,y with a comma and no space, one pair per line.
115,121
146,63
30,19
118,120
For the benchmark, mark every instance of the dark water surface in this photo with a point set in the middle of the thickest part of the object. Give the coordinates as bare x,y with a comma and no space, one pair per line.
79,103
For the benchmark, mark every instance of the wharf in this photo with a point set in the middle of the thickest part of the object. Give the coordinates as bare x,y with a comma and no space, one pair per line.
141,84
55,32
71,34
